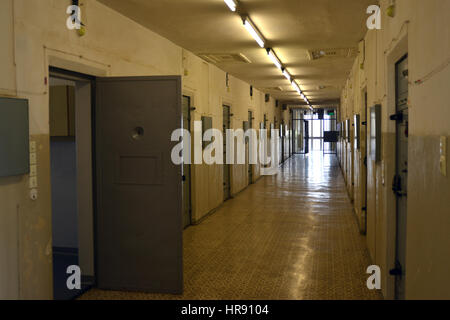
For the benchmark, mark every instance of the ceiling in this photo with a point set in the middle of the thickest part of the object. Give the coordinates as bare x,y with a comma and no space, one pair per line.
291,28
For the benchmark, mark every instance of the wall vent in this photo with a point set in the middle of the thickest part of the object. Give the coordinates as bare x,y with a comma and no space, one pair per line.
217,58
332,53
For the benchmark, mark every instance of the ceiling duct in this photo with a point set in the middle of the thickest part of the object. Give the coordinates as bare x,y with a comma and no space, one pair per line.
273,89
218,58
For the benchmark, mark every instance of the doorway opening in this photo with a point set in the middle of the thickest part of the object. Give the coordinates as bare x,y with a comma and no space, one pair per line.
72,179
308,130
187,198
226,167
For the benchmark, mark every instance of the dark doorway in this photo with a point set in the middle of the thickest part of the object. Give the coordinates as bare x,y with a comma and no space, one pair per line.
72,179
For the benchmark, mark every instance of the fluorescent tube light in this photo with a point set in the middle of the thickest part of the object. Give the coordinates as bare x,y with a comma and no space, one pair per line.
254,32
274,58
231,4
287,75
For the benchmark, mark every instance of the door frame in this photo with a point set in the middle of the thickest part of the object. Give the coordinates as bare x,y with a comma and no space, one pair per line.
77,76
191,95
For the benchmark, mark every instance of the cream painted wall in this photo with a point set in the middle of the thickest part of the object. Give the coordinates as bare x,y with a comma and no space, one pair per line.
426,40
113,46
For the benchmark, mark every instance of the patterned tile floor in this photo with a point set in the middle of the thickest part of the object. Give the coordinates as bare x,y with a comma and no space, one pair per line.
290,236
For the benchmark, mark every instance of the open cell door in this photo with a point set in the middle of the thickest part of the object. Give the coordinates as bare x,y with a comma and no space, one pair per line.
139,189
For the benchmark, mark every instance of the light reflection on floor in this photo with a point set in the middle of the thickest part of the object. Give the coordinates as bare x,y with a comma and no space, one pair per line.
290,236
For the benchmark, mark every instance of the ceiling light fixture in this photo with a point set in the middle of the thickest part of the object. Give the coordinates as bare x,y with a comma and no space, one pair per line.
287,75
296,87
274,58
248,24
231,4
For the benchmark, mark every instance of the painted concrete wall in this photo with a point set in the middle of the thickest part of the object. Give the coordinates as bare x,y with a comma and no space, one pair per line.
34,36
421,29
64,193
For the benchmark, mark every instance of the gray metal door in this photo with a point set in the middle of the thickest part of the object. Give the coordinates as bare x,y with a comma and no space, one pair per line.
401,177
226,167
364,145
187,206
250,166
139,204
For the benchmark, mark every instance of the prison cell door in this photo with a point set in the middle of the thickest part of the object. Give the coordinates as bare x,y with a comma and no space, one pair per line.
226,167
139,190
250,166
400,182
187,206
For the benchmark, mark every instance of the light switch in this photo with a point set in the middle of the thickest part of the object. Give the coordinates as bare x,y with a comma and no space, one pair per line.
33,158
443,156
33,170
33,182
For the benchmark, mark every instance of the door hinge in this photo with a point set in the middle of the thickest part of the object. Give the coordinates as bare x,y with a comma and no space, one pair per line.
363,208
183,178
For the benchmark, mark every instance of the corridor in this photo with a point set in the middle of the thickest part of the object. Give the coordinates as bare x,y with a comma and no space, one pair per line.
133,162
290,236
